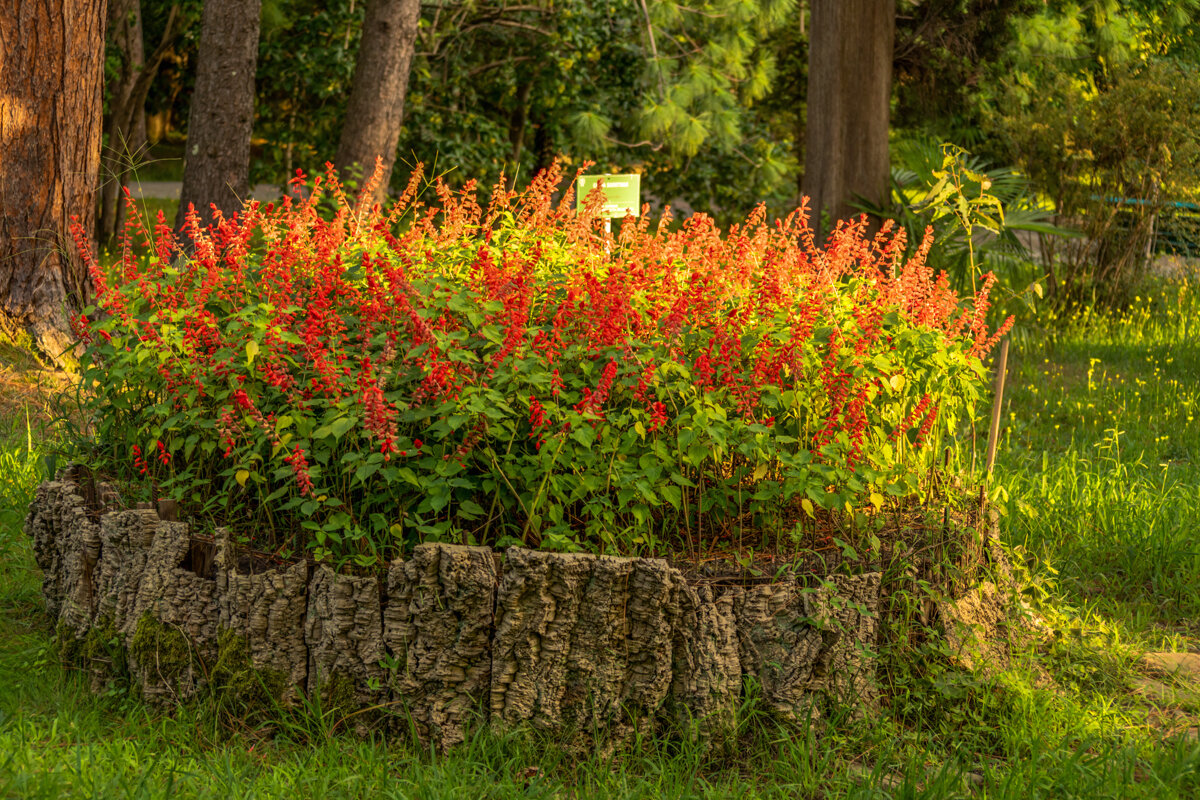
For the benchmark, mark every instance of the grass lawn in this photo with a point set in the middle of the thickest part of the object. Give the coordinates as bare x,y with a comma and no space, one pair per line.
1100,465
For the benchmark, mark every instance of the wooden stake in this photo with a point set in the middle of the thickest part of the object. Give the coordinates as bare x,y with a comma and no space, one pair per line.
997,403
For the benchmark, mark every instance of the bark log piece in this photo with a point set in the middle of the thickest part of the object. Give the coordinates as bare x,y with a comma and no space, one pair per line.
344,634
807,646
66,545
582,643
706,665
173,642
438,627
260,617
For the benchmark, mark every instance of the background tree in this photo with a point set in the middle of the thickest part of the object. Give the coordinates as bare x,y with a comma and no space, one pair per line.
376,108
1101,110
130,75
849,91
216,168
51,57
946,63
306,61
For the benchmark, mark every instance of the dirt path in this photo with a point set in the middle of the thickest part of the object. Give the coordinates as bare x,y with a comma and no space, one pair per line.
169,190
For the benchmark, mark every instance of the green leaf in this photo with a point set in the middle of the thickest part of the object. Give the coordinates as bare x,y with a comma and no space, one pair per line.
342,424
584,434
469,509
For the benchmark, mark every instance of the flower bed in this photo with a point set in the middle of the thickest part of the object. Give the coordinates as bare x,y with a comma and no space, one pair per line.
345,381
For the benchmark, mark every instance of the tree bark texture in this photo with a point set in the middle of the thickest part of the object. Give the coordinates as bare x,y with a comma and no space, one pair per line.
438,625
265,609
51,108
173,641
801,668
582,642
376,109
216,165
343,630
589,648
849,91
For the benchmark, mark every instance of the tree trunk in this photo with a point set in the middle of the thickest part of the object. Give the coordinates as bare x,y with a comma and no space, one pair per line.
376,109
52,60
125,32
849,90
125,123
216,166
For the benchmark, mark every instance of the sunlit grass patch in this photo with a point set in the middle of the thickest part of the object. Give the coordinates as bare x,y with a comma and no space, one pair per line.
1101,460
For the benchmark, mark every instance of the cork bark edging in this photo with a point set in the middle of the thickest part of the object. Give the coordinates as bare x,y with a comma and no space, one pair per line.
588,648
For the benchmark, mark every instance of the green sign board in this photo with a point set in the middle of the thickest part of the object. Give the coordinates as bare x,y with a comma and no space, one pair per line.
622,193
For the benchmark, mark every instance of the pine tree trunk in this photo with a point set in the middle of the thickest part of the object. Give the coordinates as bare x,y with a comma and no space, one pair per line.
216,167
376,109
849,89
52,60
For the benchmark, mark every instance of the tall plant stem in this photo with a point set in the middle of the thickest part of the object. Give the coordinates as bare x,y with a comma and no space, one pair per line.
537,499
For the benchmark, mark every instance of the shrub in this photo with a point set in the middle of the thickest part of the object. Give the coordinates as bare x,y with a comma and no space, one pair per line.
347,379
1117,158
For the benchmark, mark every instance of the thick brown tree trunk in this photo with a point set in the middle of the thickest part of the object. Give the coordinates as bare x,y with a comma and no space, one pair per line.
376,109
52,61
849,89
216,166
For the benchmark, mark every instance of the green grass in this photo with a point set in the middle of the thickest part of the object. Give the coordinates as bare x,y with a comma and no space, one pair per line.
1101,459
1110,523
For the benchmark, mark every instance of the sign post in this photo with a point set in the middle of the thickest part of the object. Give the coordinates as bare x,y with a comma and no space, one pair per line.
622,195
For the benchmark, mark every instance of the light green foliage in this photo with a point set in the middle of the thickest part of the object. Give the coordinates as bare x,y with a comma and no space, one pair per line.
705,65
977,215
20,464
1114,158
1087,40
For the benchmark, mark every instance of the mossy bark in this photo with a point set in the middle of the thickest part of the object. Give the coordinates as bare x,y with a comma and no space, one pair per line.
343,632
249,690
174,641
438,626
265,612
810,646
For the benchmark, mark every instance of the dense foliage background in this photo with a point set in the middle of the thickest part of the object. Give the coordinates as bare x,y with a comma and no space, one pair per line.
1088,103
